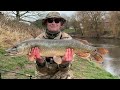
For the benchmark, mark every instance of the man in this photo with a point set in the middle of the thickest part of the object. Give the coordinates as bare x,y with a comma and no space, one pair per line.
46,66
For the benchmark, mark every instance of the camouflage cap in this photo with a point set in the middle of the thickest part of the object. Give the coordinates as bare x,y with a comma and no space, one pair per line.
53,15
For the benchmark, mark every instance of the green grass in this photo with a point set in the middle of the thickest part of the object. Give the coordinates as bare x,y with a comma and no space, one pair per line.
15,64
85,69
82,69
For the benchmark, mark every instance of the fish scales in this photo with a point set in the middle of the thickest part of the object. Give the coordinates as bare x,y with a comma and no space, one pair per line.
53,47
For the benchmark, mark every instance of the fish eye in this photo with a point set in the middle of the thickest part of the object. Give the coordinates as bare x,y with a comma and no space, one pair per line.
14,46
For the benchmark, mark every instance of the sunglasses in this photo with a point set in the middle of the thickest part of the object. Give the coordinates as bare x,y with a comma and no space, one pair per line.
56,20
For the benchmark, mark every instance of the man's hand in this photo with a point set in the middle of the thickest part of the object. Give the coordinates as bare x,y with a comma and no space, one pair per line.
34,54
68,55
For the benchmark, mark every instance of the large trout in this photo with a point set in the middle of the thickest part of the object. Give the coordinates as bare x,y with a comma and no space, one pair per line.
50,48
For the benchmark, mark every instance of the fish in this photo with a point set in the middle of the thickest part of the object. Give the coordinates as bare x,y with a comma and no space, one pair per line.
51,48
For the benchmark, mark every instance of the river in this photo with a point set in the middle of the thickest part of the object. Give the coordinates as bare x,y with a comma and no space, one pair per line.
112,59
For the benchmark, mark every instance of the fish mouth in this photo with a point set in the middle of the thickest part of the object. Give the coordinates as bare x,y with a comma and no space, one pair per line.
11,54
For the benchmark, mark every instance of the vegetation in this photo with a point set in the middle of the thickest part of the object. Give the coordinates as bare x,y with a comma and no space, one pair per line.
18,67
85,69
12,31
15,64
99,24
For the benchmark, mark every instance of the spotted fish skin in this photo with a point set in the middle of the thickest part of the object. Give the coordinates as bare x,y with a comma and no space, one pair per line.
50,48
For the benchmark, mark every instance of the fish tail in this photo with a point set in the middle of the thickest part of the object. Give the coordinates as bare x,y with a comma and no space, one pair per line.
98,58
98,54
102,51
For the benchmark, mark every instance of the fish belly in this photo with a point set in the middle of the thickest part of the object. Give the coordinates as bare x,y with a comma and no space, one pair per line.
52,52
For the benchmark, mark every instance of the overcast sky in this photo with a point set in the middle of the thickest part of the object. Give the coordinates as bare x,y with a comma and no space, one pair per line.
67,12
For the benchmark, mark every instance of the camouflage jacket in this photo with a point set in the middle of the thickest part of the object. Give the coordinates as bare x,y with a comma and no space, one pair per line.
52,68
61,35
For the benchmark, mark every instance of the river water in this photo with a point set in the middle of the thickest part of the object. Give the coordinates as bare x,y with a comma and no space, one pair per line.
112,59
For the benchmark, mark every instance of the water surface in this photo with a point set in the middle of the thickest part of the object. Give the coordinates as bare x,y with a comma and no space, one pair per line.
112,59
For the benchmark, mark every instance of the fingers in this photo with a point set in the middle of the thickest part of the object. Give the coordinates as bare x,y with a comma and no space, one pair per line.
72,53
34,54
69,54
32,51
37,53
31,55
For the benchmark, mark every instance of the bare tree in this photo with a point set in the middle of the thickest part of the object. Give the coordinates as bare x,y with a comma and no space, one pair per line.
115,23
74,23
18,14
17,20
97,22
25,16
67,24
91,22
83,18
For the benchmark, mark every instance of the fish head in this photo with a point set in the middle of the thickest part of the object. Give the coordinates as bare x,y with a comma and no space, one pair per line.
16,50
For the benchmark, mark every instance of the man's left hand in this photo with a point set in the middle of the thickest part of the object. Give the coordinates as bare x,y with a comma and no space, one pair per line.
68,55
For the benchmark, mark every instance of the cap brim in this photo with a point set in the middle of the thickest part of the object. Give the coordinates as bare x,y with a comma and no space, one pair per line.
44,20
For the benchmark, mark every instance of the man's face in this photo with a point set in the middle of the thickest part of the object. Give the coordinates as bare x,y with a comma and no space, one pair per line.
53,24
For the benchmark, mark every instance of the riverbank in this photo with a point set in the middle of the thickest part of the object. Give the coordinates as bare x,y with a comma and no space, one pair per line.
101,37
82,69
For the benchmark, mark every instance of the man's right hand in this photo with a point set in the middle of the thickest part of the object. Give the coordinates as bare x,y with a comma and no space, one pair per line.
34,54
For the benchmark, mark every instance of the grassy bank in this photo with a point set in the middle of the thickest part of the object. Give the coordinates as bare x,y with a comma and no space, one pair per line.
19,65
85,69
82,69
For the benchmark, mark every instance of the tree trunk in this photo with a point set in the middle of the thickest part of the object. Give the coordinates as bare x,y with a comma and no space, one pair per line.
18,15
